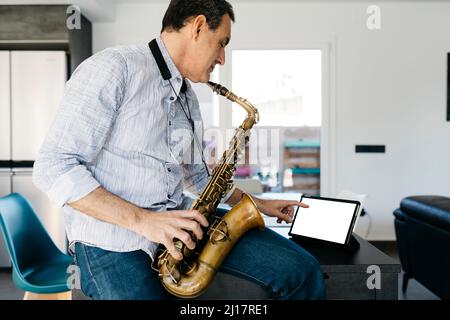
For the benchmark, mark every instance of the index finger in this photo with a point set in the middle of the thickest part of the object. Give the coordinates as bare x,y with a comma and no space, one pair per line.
298,203
194,214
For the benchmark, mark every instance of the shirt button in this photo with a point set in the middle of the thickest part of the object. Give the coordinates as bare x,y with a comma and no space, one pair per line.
172,98
170,123
178,79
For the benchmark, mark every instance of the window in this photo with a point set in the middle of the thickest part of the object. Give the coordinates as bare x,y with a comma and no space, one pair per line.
284,85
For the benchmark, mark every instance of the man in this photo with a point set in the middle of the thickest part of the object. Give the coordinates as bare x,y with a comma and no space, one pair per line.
109,159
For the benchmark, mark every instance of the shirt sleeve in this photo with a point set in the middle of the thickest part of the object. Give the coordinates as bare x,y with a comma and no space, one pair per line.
85,117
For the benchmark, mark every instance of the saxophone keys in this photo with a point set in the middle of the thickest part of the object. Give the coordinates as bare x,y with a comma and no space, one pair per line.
202,210
170,271
175,275
210,207
218,232
189,267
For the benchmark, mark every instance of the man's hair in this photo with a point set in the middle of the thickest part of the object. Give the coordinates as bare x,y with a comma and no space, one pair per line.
179,11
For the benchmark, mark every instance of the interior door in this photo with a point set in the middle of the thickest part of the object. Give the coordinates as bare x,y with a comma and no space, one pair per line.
37,86
5,89
5,142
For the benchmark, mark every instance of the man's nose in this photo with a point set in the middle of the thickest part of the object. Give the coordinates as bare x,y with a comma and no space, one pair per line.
221,58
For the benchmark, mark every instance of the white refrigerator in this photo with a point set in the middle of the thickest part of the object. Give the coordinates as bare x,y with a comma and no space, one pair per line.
31,88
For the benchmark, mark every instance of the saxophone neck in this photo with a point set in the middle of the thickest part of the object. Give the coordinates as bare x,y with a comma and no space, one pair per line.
252,112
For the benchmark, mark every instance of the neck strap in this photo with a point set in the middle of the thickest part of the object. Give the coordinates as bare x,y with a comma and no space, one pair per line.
162,65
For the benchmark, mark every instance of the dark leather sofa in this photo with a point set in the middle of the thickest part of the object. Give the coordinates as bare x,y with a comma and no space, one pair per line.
422,226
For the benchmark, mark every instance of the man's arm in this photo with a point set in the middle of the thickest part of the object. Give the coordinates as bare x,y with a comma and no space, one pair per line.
282,209
105,206
235,197
159,227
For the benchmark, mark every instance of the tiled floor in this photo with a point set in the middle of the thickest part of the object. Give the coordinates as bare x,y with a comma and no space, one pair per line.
8,291
415,290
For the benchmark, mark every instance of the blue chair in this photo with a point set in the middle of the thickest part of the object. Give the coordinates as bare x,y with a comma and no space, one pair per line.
39,267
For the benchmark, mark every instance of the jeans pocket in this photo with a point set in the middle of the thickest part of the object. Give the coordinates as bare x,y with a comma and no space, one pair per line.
89,285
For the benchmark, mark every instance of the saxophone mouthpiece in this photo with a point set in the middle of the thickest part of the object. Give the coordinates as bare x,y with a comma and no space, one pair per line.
214,86
211,84
217,88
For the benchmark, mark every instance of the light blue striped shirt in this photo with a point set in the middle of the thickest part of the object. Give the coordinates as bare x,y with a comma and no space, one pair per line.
119,126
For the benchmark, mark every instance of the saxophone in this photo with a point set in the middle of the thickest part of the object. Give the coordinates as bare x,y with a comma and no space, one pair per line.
191,276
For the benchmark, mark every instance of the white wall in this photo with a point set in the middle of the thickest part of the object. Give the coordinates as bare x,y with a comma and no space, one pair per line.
389,88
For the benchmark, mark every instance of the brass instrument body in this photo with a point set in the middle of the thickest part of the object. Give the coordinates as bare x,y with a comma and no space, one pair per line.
191,276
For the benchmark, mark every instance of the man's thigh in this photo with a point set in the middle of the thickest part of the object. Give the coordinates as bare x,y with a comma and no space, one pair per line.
109,275
270,260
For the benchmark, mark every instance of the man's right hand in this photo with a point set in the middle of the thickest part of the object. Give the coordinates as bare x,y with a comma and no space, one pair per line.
162,227
159,227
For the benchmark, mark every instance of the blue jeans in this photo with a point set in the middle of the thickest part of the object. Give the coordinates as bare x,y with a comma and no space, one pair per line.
266,258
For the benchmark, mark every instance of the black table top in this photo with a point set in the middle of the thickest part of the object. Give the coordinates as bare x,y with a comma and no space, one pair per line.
339,259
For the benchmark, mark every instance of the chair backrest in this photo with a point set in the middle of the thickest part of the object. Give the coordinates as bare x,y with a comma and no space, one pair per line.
27,241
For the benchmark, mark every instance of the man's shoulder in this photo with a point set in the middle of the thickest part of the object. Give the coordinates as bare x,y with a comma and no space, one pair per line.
125,52
120,58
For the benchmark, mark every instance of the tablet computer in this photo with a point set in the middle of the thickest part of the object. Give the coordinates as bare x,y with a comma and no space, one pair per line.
327,220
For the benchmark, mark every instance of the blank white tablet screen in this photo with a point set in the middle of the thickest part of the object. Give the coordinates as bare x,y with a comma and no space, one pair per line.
324,219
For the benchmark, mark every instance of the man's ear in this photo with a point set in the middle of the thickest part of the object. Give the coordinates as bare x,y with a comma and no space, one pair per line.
198,25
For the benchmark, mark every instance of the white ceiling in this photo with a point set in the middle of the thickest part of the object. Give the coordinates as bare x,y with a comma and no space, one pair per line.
94,10
104,10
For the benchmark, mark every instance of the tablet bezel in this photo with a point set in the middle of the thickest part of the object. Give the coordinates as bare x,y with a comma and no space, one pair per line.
317,240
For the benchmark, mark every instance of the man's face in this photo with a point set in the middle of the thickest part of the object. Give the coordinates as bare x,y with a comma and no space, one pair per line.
208,50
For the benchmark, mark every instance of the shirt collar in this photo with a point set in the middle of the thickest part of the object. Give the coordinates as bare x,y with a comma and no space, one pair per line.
176,78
